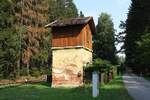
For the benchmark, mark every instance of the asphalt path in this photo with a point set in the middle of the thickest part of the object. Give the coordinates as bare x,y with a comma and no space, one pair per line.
137,87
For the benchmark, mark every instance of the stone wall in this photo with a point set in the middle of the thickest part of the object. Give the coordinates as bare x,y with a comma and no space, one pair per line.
67,69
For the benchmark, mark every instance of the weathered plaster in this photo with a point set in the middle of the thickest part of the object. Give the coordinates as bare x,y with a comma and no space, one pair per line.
67,68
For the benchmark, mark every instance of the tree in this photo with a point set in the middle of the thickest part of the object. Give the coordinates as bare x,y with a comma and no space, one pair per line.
23,36
70,9
25,46
137,25
120,37
9,40
34,53
104,40
144,47
62,9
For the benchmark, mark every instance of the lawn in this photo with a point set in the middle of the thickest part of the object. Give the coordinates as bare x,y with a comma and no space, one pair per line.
113,91
147,78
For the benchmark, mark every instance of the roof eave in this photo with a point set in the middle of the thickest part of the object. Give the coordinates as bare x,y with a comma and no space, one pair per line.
89,21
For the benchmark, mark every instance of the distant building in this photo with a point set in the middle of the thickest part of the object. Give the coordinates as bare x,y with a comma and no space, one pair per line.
71,49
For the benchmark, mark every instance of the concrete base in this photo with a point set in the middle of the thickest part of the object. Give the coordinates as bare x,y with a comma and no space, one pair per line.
67,69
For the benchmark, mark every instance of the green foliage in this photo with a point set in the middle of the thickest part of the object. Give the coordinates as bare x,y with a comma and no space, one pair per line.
70,9
8,52
35,72
9,40
121,59
62,9
137,26
104,40
98,64
15,38
106,70
6,14
144,47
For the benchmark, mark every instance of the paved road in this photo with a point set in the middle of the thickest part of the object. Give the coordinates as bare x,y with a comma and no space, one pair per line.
137,87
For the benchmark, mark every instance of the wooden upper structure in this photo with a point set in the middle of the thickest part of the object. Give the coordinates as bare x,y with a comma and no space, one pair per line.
74,32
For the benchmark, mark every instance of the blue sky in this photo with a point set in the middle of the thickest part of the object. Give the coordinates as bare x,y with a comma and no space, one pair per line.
116,8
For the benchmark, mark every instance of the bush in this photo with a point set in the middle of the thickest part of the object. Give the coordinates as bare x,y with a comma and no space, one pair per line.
35,72
106,69
97,65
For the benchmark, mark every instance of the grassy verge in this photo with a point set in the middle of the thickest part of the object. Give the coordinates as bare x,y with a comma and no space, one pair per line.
42,91
147,78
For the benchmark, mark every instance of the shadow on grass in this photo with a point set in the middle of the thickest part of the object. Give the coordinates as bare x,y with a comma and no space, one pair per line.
42,91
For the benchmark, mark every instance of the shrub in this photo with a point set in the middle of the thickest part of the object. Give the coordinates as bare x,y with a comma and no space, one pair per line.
35,72
97,65
104,67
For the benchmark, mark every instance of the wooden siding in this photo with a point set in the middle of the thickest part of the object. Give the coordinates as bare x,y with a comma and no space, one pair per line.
87,37
78,35
67,36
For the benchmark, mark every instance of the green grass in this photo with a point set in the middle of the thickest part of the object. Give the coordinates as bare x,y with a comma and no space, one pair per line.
42,91
147,78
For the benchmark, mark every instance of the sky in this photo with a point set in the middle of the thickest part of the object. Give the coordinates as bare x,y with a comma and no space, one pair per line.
118,10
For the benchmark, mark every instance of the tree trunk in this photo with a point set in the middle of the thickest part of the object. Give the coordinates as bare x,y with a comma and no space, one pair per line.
49,62
18,69
27,69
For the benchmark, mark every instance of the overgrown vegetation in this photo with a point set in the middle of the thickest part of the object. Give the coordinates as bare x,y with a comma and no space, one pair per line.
106,70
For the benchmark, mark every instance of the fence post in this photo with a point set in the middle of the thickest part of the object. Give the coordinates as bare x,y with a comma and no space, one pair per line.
95,81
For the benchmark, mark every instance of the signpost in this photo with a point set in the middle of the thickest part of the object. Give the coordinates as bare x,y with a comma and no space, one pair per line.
95,81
